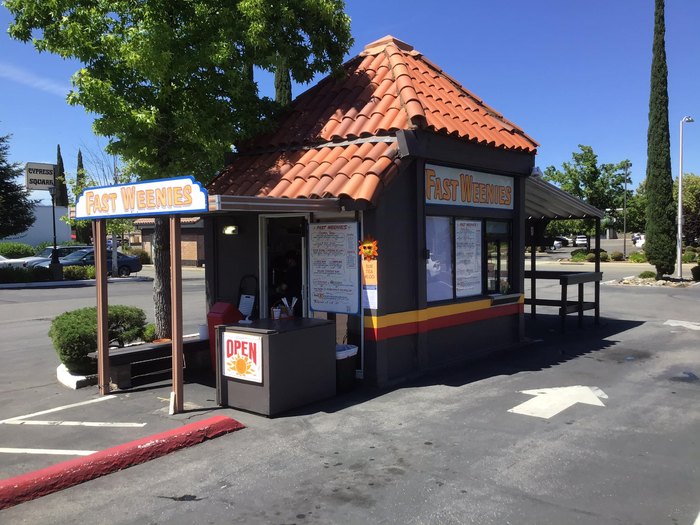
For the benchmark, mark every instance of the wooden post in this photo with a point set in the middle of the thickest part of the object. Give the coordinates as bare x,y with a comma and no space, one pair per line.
176,312
98,237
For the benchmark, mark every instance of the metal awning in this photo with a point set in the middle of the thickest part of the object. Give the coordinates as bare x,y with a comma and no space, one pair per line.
222,203
545,201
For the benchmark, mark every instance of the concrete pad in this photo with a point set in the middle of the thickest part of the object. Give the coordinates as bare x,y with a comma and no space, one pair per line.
26,487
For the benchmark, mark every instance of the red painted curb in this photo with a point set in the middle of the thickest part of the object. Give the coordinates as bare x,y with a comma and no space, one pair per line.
39,483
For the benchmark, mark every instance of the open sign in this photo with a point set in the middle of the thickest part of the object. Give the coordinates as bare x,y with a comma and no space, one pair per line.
242,356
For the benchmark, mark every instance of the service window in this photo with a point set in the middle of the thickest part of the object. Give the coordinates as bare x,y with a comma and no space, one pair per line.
439,277
498,256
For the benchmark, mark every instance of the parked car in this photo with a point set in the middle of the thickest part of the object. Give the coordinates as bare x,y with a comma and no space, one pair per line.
636,237
45,254
11,263
556,244
126,264
639,243
563,240
581,240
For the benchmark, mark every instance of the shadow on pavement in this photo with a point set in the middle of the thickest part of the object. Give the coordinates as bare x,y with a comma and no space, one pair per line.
545,347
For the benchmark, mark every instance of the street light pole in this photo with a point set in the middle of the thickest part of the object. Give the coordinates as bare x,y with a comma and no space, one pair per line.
624,214
54,252
679,236
55,265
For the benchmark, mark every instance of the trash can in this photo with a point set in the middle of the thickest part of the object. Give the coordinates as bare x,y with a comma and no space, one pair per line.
345,367
220,313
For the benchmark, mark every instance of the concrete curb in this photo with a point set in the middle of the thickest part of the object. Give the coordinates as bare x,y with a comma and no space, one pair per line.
32,485
69,284
74,381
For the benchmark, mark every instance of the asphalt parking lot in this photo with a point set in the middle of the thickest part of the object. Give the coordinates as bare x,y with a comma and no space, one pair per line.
452,448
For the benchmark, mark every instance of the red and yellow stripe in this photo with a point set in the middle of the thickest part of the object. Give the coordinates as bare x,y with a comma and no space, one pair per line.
379,328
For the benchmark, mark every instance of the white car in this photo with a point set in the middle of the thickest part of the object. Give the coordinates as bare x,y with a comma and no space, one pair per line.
639,243
581,240
556,245
12,263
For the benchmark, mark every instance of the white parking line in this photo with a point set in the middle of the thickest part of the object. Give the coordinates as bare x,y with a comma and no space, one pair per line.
57,452
65,407
697,520
72,423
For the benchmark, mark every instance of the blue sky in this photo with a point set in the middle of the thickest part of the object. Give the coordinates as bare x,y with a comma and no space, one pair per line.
567,72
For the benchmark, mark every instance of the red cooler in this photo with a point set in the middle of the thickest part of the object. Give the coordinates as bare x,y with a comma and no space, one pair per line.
220,313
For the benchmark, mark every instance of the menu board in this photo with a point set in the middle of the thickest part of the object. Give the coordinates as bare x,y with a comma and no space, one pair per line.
334,275
468,257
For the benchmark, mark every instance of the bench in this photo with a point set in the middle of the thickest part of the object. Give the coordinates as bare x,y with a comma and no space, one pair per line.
148,358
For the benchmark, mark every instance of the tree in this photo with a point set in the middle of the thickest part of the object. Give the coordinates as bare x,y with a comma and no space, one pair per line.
600,185
16,208
660,244
83,230
171,80
61,198
691,206
637,209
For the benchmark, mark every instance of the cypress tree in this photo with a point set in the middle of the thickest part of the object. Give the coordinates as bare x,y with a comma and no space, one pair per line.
83,229
61,188
660,244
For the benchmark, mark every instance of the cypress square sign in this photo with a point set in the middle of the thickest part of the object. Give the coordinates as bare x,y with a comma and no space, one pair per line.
40,176
179,195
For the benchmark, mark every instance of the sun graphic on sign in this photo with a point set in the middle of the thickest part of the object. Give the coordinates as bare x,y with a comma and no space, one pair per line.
240,365
368,249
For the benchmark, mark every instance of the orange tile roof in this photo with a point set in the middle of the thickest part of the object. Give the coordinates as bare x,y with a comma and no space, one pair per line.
336,140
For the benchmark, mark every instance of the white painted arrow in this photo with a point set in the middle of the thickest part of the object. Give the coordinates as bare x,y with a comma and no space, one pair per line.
685,324
549,402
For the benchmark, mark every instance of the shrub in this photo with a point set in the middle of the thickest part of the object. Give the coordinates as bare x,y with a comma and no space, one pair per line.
15,250
74,333
647,275
688,257
604,257
638,257
578,252
695,270
75,273
149,333
24,275
142,254
590,257
617,256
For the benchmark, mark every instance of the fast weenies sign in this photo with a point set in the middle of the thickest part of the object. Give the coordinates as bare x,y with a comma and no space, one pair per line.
180,195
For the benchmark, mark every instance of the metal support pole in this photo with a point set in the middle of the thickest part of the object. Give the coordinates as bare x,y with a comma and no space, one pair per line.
176,313
98,235
679,235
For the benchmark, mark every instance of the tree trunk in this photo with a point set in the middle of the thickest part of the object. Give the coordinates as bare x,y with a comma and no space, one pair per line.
161,280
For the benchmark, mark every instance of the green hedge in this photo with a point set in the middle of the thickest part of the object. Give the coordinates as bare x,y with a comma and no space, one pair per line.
78,273
142,254
617,256
638,257
689,256
16,250
647,274
24,275
74,333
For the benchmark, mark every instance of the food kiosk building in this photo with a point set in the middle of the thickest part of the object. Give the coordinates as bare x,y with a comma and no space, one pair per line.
397,197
